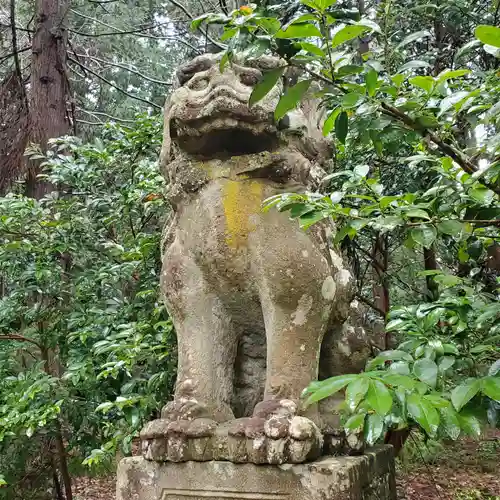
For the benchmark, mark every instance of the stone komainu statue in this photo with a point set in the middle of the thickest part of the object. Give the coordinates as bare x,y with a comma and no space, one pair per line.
258,304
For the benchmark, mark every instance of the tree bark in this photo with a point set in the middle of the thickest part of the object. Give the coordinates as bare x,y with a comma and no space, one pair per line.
60,449
49,93
380,287
430,264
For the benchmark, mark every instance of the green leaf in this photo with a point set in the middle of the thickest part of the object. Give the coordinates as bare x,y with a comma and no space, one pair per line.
314,4
341,126
270,25
389,222
398,380
347,33
413,38
423,413
470,425
445,363
452,227
356,391
482,195
313,49
423,82
369,24
417,213
355,423
413,65
450,349
494,368
361,170
424,235
491,387
104,407
447,280
489,35
302,30
389,356
465,49
195,23
398,79
452,100
265,86
395,324
400,367
379,397
309,219
371,80
224,61
426,370
463,393
330,121
374,427
449,74
328,387
350,100
291,98
450,421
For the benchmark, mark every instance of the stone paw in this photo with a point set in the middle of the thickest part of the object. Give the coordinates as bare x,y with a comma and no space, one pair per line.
191,409
184,409
279,437
179,440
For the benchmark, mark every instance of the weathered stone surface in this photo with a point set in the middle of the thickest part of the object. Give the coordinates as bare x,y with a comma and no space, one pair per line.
258,304
277,439
367,477
252,296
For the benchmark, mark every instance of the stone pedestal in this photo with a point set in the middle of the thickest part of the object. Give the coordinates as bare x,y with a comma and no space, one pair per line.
366,477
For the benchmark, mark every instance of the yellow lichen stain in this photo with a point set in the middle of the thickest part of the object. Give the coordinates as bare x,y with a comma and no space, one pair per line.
241,199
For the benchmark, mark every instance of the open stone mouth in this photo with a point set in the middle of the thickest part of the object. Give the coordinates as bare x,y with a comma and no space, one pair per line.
225,135
228,141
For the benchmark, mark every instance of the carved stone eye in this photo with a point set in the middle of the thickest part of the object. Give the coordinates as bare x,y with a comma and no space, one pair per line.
250,78
198,84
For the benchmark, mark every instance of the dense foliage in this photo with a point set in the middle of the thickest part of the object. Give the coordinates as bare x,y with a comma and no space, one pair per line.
416,121
86,347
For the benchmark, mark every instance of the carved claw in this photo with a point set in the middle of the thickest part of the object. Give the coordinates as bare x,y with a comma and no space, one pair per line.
276,440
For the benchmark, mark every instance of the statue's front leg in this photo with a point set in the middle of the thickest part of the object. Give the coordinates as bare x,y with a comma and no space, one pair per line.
206,351
296,295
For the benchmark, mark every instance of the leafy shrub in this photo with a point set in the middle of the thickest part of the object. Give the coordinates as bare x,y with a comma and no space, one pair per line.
87,349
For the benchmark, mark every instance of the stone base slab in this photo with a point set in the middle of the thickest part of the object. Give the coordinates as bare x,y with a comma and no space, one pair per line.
367,477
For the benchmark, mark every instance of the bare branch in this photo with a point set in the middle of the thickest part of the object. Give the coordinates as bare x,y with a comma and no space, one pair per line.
118,65
86,122
111,84
205,32
15,52
118,31
21,338
370,304
96,114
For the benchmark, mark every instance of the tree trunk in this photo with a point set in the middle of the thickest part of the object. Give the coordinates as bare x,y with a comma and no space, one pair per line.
430,264
49,91
60,449
380,286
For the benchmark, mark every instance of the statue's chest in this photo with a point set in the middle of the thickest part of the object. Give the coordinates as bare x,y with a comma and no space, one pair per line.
225,214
